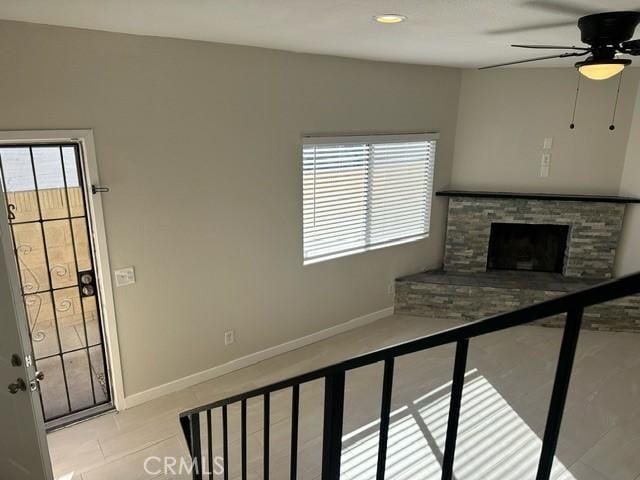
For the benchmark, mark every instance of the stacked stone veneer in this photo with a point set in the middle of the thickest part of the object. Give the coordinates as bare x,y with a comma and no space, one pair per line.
594,231
465,291
468,299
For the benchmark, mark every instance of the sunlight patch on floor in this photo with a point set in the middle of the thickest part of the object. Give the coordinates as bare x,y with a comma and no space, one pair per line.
494,442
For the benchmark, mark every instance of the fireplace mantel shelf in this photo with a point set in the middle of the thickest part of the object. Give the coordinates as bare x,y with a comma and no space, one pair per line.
539,196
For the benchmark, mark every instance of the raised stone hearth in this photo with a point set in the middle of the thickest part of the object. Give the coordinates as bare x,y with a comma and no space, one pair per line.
468,288
472,296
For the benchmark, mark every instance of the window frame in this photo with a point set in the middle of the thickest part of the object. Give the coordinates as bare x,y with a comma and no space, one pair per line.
370,140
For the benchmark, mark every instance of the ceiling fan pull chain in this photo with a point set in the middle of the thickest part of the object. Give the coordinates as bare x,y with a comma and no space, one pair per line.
572,125
615,105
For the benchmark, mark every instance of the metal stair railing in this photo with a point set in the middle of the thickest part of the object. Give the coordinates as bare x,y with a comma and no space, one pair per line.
572,304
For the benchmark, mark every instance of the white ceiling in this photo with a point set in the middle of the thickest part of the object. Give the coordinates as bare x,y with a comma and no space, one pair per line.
461,33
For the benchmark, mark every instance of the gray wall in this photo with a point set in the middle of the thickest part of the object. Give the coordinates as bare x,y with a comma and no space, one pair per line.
200,145
505,115
628,259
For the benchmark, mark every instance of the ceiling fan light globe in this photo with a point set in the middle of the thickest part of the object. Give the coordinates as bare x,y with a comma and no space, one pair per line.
601,71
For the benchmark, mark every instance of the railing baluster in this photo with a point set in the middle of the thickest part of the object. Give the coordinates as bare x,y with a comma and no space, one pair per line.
196,453
243,439
185,423
559,394
267,416
459,367
332,431
225,442
209,445
295,410
385,412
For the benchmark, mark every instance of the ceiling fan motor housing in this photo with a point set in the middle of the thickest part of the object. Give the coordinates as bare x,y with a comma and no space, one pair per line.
608,29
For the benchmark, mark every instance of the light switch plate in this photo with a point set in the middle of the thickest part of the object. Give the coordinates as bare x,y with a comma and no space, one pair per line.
125,276
544,171
548,143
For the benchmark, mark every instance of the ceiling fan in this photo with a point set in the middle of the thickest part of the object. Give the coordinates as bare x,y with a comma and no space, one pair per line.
608,36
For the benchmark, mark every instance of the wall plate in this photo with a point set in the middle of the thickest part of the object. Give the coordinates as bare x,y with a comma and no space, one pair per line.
125,276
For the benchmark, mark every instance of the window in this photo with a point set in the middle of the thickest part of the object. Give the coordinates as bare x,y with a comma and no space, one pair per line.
361,193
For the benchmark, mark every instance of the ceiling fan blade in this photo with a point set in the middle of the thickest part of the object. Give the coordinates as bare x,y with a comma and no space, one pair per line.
632,47
528,28
548,57
559,7
550,47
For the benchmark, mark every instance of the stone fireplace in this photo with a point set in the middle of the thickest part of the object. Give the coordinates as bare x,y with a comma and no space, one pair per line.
505,250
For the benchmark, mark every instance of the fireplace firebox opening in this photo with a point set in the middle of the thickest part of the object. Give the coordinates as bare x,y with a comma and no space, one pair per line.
529,247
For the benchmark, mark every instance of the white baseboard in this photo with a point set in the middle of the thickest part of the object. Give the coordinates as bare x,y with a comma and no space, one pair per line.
242,362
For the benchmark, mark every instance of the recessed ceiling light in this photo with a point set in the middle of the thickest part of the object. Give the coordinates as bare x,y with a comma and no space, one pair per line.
390,18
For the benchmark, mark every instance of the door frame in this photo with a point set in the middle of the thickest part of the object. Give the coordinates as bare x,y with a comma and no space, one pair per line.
84,138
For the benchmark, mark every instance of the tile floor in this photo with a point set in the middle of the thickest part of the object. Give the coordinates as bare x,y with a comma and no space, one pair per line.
86,382
507,388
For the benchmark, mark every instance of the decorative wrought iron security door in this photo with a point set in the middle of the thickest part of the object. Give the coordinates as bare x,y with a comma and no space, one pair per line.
46,200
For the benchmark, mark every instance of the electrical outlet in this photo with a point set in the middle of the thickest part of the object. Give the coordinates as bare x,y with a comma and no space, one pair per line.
548,143
229,337
391,288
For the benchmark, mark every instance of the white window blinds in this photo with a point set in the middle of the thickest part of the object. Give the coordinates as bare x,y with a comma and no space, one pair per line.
361,193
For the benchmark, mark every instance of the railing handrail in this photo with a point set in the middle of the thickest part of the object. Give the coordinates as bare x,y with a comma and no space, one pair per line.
603,292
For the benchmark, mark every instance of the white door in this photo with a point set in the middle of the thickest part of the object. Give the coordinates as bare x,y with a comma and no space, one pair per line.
23,444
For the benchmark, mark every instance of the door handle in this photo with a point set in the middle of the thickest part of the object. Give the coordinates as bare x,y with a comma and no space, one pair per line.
17,386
